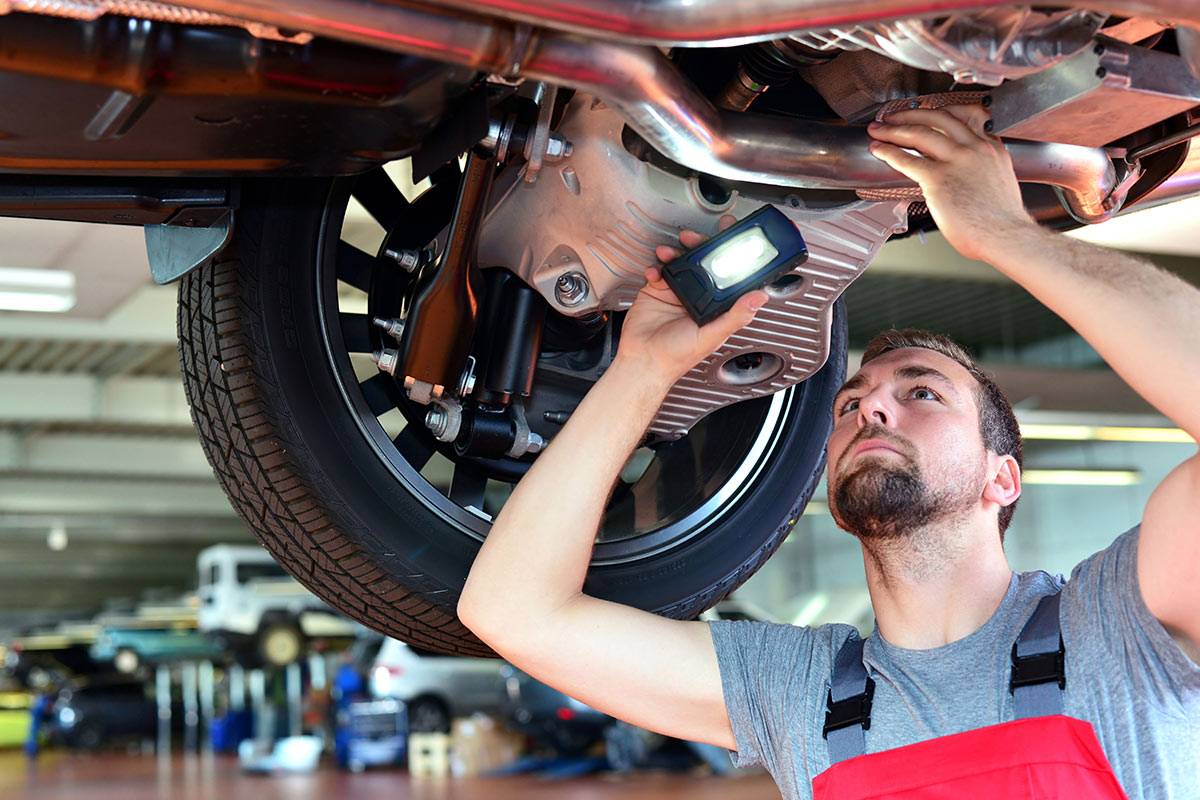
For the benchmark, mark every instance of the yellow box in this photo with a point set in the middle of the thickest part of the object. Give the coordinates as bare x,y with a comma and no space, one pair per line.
429,755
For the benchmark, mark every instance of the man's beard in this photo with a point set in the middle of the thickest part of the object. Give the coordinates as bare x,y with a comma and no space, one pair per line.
883,501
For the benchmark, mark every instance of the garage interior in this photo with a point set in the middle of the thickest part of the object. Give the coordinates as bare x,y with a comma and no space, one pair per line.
106,502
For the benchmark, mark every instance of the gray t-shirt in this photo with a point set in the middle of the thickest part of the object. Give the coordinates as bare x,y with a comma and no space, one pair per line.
1125,675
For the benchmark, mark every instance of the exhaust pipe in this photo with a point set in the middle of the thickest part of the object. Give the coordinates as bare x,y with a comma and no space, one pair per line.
659,103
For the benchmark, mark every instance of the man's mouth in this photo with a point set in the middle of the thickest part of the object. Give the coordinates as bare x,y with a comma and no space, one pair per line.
873,445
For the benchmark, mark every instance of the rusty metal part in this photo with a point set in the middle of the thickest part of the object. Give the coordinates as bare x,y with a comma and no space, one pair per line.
441,319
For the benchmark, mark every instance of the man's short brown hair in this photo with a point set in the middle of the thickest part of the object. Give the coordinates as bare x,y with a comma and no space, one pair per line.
997,423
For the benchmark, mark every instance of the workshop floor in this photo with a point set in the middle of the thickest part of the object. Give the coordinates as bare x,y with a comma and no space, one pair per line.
61,776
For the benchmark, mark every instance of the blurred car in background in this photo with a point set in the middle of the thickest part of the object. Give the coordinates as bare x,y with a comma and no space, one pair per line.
90,715
551,718
151,632
129,649
46,657
435,688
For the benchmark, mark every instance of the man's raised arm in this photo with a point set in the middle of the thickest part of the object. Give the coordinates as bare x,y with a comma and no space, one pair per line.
524,596
1144,321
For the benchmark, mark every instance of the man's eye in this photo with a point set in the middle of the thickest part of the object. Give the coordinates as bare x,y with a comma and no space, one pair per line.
923,393
849,405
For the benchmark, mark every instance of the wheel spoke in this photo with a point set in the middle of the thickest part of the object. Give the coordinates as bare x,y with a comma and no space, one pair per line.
380,197
356,332
378,393
354,266
415,446
467,486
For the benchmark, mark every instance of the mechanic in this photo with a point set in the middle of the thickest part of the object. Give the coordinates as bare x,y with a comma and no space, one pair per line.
925,469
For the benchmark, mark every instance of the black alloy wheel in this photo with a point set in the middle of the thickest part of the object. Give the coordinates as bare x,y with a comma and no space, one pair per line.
331,466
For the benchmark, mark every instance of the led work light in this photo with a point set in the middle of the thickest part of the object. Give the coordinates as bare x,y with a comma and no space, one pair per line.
710,278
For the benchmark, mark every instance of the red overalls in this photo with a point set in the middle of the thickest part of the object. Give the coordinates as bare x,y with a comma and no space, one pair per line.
1042,755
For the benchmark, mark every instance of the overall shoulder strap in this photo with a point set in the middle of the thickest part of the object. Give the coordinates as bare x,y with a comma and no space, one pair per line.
848,706
1038,663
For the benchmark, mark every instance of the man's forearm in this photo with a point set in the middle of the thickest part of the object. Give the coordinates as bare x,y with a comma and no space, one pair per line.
536,556
1144,321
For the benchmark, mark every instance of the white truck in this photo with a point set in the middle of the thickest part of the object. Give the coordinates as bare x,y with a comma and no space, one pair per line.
262,614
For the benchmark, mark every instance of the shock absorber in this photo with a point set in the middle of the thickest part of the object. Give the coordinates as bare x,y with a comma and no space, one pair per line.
494,424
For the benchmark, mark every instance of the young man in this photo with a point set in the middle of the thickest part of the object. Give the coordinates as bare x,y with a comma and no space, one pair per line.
924,469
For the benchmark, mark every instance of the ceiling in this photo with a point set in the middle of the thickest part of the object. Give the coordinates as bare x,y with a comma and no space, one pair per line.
95,435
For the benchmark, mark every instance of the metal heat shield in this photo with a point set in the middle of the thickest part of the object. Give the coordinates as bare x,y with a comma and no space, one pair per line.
1095,97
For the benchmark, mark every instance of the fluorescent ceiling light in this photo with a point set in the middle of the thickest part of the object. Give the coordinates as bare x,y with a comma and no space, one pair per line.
1104,433
36,289
1082,477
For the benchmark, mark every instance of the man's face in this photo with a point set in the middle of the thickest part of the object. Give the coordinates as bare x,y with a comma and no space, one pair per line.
905,449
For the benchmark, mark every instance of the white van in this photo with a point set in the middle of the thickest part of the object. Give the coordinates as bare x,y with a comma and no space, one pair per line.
263,614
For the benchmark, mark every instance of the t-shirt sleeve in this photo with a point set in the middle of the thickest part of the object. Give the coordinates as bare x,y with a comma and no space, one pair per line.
1103,599
764,667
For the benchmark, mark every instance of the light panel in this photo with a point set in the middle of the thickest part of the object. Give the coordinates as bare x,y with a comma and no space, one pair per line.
1105,433
44,290
1081,477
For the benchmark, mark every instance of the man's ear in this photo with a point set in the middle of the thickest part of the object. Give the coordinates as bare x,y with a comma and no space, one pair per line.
1004,487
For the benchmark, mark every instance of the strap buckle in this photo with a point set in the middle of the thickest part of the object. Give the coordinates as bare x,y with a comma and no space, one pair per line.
855,710
1038,668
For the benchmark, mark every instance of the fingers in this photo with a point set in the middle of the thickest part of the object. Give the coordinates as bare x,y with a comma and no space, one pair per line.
736,318
726,221
664,253
974,116
942,120
927,141
908,165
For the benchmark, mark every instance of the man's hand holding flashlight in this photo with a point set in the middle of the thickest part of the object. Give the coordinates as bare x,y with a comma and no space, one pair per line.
659,335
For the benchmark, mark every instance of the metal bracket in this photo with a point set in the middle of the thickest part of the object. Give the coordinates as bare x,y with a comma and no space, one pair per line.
175,250
537,143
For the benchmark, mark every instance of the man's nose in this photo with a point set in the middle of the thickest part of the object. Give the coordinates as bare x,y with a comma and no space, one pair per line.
874,409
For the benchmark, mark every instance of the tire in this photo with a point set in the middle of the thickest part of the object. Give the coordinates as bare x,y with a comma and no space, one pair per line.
279,643
428,715
290,432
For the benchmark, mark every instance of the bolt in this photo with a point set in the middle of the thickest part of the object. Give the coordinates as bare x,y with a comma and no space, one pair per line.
536,443
1101,72
387,359
1098,49
571,288
986,101
392,327
556,417
436,420
558,148
409,260
988,126
914,103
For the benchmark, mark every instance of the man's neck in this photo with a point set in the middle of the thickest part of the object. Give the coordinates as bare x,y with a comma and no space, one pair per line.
936,586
